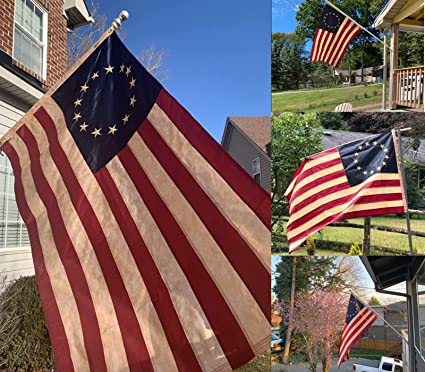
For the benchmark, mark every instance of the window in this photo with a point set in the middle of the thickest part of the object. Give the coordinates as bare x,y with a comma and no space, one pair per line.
13,233
387,367
30,35
256,170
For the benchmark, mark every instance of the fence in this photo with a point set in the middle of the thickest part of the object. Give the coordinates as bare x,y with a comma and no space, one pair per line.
409,90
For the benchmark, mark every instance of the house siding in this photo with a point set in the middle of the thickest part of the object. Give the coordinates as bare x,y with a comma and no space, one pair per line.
244,152
17,261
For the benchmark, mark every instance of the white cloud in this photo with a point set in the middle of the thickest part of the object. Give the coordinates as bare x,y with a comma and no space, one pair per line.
285,7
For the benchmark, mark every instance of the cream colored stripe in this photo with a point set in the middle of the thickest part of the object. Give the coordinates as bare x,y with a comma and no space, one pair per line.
346,192
316,190
246,310
229,203
344,45
204,343
316,45
325,47
335,41
318,49
316,176
150,325
108,324
344,208
61,288
311,163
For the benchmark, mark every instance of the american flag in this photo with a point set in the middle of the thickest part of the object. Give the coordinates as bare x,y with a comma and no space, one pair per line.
333,36
358,319
358,179
151,245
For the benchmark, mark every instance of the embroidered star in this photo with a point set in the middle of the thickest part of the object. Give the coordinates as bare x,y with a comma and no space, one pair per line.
385,150
375,143
133,101
365,173
367,143
122,67
356,161
125,119
83,127
387,157
77,116
384,163
378,168
77,102
112,130
128,71
356,154
95,75
132,83
360,147
372,171
84,88
109,69
382,147
359,168
96,132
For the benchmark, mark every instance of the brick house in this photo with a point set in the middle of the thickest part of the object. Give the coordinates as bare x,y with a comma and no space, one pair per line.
248,141
33,56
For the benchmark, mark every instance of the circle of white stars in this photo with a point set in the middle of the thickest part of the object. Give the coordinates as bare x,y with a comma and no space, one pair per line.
372,170
113,128
325,20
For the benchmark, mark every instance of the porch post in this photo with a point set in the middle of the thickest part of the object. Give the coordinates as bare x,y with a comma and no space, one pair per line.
384,74
394,64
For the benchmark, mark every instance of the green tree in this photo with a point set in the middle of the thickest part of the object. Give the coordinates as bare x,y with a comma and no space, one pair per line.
411,49
374,301
333,120
415,194
294,137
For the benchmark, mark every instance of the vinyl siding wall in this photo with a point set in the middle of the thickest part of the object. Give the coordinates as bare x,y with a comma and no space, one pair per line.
15,252
244,152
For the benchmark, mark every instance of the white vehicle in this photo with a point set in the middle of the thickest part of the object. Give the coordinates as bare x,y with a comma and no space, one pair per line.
385,364
276,343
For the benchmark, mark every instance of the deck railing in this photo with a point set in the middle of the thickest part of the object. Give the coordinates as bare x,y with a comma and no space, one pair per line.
409,87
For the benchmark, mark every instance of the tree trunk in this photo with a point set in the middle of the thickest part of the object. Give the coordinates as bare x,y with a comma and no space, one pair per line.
349,66
291,308
366,236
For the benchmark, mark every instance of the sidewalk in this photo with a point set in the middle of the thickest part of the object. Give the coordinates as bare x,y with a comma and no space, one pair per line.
345,367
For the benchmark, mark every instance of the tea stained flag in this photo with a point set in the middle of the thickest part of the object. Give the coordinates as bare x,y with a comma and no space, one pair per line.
151,245
357,179
333,36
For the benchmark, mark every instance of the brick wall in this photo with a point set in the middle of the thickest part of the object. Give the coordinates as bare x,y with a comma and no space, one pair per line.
56,38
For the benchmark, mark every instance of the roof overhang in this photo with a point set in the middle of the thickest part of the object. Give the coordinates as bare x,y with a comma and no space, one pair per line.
77,13
409,14
386,271
17,87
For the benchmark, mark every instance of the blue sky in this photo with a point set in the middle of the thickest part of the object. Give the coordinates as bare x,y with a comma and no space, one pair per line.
218,53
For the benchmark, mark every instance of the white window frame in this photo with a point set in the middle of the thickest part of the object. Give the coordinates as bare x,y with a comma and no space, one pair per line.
257,159
43,44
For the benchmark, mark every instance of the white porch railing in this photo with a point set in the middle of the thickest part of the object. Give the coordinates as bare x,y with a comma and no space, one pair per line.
409,90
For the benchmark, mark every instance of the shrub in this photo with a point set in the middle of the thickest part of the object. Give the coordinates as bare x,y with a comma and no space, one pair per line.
24,340
356,97
311,246
375,93
355,250
366,95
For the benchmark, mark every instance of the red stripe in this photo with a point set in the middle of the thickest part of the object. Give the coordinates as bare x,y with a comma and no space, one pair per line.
160,297
317,182
240,255
316,41
237,178
355,199
222,321
322,154
63,360
68,256
327,43
135,347
342,216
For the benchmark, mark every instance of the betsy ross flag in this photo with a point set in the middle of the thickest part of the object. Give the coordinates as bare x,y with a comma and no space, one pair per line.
151,245
358,319
333,36
358,179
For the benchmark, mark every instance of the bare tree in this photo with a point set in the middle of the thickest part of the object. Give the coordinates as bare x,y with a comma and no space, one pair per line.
82,39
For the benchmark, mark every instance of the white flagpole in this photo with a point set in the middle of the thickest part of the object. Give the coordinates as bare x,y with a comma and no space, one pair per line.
358,24
380,316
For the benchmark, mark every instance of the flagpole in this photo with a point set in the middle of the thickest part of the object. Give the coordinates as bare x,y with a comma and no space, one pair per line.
358,24
116,24
403,179
380,316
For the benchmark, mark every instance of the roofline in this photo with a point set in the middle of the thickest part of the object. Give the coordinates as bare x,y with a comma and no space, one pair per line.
234,125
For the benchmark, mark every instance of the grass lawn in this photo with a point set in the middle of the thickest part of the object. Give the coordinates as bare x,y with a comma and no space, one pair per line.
326,100
378,238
